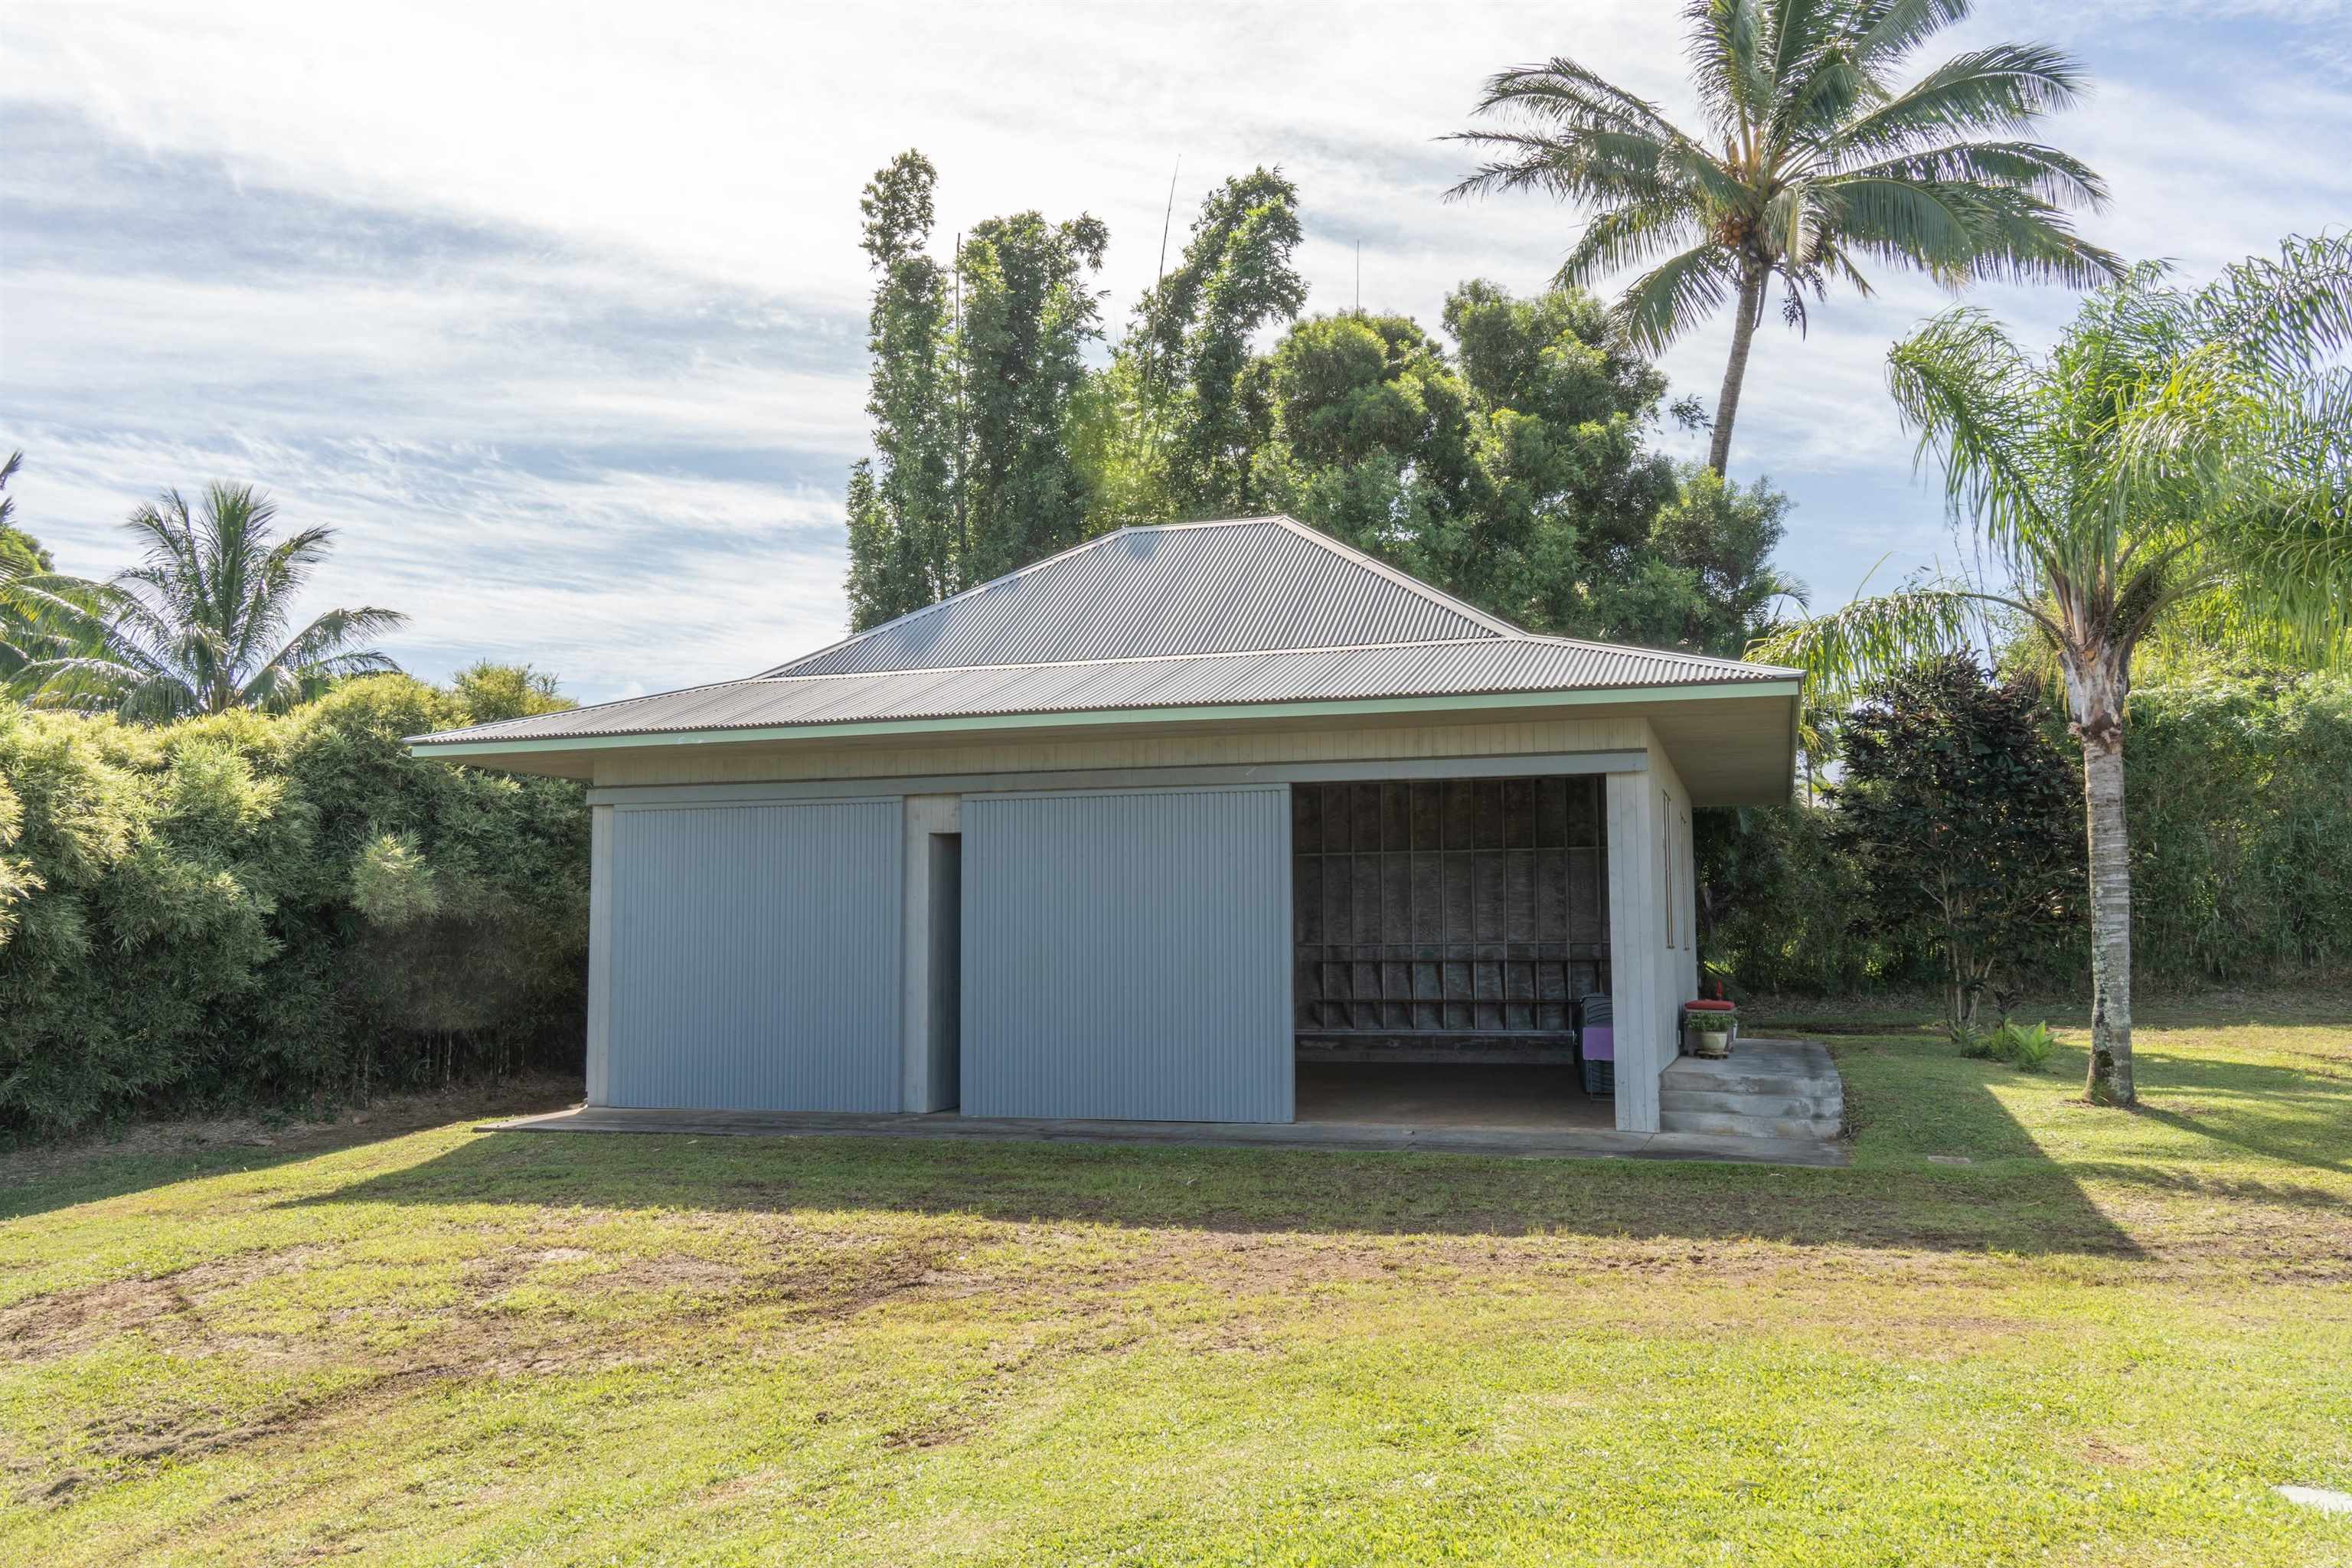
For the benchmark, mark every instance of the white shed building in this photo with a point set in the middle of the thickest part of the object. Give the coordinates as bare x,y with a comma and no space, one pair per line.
1145,831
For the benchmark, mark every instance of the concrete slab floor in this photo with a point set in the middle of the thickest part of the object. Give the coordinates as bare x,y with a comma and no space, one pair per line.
1417,1094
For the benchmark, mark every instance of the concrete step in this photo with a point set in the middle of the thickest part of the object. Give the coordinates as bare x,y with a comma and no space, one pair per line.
1720,1082
1734,1124
1803,1107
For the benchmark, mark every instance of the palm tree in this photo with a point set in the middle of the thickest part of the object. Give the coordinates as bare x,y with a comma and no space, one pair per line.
2179,466
1813,161
24,637
200,626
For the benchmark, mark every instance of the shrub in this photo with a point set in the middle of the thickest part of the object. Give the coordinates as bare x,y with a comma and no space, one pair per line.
1963,821
2027,1050
243,908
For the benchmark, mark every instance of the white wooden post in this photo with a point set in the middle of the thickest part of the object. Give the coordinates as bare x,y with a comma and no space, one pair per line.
1637,952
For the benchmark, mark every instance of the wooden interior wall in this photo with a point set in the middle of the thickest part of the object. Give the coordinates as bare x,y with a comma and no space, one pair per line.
1437,913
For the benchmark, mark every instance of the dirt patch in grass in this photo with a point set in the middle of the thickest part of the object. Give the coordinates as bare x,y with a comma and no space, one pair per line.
2110,1456
65,1323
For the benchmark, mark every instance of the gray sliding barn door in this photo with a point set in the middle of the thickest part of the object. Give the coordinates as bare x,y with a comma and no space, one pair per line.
755,957
1127,954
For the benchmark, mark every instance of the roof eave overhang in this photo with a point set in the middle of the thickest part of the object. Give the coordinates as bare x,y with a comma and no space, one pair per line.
486,751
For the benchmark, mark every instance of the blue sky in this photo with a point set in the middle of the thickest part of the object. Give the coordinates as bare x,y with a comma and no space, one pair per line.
556,311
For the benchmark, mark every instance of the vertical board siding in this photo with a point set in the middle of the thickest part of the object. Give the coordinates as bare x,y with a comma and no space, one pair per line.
755,957
1127,955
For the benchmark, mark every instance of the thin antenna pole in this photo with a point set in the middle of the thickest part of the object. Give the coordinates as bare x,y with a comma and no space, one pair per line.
963,535
1167,220
1359,277
1152,358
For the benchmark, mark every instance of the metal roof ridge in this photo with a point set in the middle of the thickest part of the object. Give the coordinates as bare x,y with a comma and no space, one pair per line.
1404,580
1137,658
1084,544
1660,653
1281,519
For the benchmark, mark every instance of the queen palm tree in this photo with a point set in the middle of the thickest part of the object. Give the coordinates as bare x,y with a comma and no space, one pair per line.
201,624
1814,162
2179,466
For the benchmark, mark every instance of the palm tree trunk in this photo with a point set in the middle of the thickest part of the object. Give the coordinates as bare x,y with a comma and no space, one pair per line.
1752,279
2097,689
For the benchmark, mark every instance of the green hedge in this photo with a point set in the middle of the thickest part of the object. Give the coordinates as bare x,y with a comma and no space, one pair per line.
2238,798
242,908
2239,806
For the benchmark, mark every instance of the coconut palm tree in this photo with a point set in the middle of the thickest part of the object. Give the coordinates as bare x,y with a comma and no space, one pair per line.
1814,163
2179,466
201,624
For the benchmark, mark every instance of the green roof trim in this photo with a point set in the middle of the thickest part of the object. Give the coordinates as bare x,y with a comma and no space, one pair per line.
1371,706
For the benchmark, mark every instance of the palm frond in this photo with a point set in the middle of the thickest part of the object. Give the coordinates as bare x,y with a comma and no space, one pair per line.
1724,43
1847,648
1933,226
330,636
1884,31
1965,386
2029,167
2281,548
1566,94
2286,315
2024,239
1628,236
2003,89
1602,167
93,682
1674,296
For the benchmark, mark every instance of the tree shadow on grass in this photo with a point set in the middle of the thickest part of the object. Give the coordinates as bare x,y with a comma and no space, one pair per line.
2298,1116
2023,1203
38,1179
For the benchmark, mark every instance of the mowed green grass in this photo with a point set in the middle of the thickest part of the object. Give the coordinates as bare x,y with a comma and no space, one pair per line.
2103,1341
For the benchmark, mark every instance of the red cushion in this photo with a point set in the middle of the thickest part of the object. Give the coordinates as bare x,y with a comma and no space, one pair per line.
1711,1007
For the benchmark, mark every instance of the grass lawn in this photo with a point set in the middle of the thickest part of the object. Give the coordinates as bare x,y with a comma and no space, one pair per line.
2102,1340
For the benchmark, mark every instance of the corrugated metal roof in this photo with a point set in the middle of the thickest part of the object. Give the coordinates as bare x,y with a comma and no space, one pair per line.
1182,588
1487,664
1260,610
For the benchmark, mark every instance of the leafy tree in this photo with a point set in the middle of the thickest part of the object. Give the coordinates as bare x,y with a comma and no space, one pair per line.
1511,469
1956,809
974,471
2182,459
1703,578
1515,473
1813,161
489,692
1190,356
201,625
1021,358
905,547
